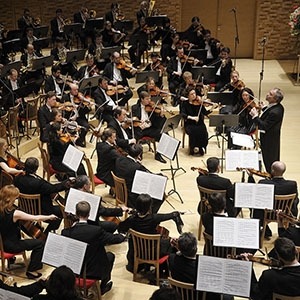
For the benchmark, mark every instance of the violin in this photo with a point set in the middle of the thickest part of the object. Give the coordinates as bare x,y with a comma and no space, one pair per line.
135,122
239,85
153,107
14,162
66,106
200,170
123,65
275,263
188,59
84,100
199,101
256,172
119,89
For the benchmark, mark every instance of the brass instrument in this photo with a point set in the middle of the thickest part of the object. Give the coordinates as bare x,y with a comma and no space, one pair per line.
98,53
92,14
151,7
37,22
62,54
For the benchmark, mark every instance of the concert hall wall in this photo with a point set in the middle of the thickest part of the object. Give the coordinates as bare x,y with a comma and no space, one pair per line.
256,19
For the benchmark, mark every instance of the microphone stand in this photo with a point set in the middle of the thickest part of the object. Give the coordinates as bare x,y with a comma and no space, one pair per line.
261,74
236,39
10,90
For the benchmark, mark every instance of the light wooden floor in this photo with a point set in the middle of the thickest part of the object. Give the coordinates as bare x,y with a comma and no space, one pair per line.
274,76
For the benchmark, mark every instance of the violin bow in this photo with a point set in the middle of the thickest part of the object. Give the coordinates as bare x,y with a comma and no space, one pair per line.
132,129
186,60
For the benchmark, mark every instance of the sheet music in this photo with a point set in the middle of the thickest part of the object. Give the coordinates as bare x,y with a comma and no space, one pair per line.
241,159
243,140
253,195
147,183
168,146
76,196
238,233
72,158
8,295
225,276
60,250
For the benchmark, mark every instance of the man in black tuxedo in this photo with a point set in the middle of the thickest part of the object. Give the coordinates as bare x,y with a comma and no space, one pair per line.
215,182
269,124
45,115
54,82
124,136
119,76
99,263
57,25
30,183
81,17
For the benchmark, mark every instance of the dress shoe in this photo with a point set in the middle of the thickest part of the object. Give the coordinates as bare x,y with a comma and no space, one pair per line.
107,288
33,276
80,144
196,150
159,158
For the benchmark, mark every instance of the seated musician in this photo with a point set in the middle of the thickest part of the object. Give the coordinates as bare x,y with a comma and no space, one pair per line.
194,34
223,67
215,182
170,50
156,65
96,48
148,86
144,220
182,264
126,166
83,183
151,121
284,281
121,126
175,68
193,113
54,82
110,36
117,74
107,155
4,165
45,114
79,114
11,234
99,263
88,70
139,43
58,145
106,104
30,183
212,46
29,38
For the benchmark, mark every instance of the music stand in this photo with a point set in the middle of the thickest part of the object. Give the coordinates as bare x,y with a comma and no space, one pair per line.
156,20
144,75
73,28
25,90
14,34
108,51
41,31
12,65
12,46
205,74
75,55
200,54
88,83
93,24
223,120
41,43
42,62
125,25
223,98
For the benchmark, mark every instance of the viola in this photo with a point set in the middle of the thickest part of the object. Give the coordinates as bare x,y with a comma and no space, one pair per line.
188,59
288,219
153,107
261,260
256,172
199,101
123,65
239,85
119,89
156,91
14,162
84,100
135,122
200,170
66,106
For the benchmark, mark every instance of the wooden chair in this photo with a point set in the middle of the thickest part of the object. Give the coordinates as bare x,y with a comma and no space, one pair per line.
3,126
30,204
68,221
146,250
211,250
185,290
203,204
281,202
148,140
282,297
121,194
5,256
93,178
31,114
5,179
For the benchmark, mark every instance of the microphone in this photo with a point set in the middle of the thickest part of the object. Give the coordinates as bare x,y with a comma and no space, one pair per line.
233,9
263,41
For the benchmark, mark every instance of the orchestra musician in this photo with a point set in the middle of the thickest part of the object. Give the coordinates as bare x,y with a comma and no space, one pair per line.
152,119
29,38
99,263
105,103
4,165
119,123
194,34
54,82
11,233
269,124
110,36
57,25
148,86
145,220
143,12
88,70
25,21
111,15
31,184
117,73
81,17
212,46
193,113
156,65
96,48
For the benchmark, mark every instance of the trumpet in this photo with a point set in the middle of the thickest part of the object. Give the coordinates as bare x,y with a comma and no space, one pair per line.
92,14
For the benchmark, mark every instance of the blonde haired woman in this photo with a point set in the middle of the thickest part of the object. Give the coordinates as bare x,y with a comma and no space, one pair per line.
10,230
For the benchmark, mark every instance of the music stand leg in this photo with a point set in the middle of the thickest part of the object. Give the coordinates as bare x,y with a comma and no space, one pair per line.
173,190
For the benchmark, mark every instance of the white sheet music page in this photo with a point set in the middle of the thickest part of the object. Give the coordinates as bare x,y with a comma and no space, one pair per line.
8,295
60,250
243,140
76,196
167,146
238,233
147,183
72,158
241,159
226,276
253,195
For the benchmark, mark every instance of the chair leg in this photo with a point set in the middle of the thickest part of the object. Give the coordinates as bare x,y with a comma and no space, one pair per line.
200,229
135,269
157,274
98,291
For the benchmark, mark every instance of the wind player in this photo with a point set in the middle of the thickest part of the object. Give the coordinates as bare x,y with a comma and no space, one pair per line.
57,25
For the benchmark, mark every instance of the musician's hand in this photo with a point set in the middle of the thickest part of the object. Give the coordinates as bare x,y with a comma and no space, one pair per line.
196,119
196,61
177,73
133,71
132,141
53,217
253,113
245,256
125,208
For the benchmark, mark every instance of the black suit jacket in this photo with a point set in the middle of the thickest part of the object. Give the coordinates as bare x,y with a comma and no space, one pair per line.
45,116
97,264
31,185
173,67
54,28
106,110
109,73
121,141
78,18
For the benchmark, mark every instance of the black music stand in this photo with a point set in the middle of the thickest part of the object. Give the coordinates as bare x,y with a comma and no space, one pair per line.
42,62
156,20
205,74
25,90
41,31
200,54
108,51
41,43
88,83
73,30
74,56
94,24
14,34
168,147
144,75
223,120
225,98
124,26
12,65
12,46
